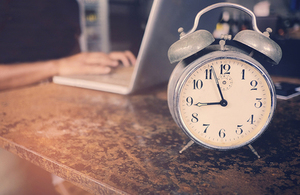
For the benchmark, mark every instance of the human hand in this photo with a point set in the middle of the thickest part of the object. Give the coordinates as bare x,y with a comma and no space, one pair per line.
126,58
94,62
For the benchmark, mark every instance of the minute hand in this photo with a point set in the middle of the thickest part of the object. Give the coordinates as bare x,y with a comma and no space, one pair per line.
217,82
223,102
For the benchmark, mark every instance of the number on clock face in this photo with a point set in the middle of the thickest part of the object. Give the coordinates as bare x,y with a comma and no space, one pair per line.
246,92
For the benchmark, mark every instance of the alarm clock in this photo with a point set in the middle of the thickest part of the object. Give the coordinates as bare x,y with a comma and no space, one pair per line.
220,95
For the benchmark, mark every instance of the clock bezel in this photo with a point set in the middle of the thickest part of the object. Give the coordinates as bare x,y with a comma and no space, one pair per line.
181,75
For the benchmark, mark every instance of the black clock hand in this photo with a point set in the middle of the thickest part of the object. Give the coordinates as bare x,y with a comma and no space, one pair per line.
217,82
223,102
199,104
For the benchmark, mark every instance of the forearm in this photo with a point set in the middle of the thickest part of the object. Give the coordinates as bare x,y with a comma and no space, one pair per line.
23,74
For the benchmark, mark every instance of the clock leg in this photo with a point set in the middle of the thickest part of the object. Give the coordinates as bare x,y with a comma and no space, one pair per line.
186,146
253,150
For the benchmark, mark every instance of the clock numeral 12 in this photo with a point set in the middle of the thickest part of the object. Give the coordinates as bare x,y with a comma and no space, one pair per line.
225,68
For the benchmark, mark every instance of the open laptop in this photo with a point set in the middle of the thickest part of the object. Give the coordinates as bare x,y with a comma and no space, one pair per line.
152,66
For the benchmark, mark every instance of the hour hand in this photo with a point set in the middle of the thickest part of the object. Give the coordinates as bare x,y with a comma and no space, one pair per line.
222,103
199,104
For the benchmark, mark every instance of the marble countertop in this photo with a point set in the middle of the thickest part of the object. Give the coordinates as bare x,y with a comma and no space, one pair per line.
113,144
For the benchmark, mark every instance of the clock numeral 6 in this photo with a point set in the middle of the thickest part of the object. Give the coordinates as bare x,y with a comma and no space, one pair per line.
222,133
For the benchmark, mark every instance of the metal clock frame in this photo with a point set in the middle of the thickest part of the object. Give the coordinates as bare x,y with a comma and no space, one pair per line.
184,71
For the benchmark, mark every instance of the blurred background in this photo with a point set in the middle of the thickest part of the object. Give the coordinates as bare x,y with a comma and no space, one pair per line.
127,19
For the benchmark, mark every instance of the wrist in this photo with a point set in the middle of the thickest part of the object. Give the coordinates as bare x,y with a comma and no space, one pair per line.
55,66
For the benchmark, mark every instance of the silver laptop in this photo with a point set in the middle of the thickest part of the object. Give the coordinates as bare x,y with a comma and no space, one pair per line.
152,66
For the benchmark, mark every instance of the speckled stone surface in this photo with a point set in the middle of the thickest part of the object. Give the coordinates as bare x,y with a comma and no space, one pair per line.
112,144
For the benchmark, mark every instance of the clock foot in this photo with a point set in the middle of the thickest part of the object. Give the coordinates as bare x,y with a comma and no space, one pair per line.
186,146
253,150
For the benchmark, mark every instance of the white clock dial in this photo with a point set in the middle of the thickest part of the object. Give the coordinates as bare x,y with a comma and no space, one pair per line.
232,114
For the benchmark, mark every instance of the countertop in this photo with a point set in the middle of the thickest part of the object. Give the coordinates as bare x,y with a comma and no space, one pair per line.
113,144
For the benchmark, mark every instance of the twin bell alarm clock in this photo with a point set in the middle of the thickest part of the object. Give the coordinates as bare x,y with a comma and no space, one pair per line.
219,95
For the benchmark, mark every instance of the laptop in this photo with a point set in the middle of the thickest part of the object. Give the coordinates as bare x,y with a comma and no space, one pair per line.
152,66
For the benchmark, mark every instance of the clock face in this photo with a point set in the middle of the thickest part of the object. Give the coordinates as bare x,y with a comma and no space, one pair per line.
225,103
